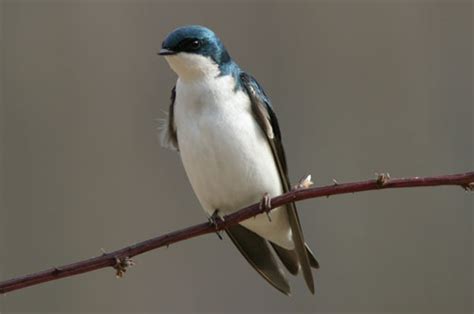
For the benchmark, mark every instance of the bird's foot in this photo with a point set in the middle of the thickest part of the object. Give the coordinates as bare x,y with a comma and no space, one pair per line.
266,205
214,220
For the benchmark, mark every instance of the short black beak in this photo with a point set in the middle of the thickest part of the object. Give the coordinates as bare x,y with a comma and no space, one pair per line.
166,52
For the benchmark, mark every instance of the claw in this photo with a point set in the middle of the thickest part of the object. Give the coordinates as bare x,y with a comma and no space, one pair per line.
214,219
266,205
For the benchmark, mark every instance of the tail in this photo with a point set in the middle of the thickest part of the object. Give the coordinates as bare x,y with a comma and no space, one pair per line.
258,253
290,259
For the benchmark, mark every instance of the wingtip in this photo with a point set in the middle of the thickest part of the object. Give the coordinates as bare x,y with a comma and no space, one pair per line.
257,252
285,292
300,247
310,283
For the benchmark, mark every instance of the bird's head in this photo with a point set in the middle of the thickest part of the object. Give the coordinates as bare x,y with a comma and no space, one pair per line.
193,51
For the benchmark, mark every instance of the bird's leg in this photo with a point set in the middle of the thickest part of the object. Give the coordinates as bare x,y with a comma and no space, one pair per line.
266,205
214,219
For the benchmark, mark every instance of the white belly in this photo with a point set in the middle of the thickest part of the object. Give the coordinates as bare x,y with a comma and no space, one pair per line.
226,156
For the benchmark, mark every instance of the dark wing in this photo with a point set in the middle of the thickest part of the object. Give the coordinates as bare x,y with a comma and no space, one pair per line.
169,134
267,120
258,253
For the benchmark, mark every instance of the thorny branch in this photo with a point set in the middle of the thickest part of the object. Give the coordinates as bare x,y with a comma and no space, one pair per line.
120,259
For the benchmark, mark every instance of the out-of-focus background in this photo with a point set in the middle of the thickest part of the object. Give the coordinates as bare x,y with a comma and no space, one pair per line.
359,87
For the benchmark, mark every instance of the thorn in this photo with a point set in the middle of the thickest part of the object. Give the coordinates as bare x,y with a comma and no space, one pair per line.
468,187
103,251
121,266
382,179
335,181
214,220
56,270
304,183
266,205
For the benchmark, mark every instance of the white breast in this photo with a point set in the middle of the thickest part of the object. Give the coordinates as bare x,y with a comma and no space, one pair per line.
225,154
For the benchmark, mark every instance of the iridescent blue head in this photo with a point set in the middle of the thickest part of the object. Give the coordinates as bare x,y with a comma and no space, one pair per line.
195,50
195,39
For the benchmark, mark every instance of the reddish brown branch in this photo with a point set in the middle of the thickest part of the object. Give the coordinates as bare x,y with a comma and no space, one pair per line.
119,259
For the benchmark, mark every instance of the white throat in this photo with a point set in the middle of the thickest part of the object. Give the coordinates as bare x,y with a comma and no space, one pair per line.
190,66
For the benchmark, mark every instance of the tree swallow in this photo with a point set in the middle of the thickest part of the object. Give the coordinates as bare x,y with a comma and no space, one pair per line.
224,127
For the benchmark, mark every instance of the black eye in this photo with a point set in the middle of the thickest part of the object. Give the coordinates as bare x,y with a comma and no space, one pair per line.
195,44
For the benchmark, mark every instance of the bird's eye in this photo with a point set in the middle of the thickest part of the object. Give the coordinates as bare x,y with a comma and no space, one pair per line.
195,44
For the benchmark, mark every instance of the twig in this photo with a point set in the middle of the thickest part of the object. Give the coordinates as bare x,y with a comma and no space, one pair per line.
120,259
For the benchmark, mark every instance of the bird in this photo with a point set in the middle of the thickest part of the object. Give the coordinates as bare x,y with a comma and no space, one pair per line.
227,134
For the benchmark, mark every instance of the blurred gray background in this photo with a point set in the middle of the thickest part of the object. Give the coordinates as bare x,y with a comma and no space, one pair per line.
359,87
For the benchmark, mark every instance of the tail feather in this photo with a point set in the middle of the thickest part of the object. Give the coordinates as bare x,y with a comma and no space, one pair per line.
290,259
258,253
